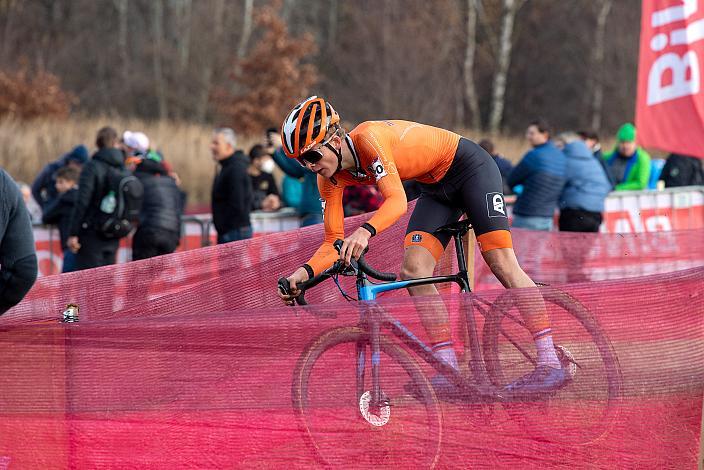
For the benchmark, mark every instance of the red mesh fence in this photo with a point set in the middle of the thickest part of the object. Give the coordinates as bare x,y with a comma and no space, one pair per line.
189,361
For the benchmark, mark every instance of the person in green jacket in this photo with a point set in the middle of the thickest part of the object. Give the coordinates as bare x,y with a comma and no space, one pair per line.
629,164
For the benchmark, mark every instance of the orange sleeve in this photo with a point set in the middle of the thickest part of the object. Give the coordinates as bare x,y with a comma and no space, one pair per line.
334,223
387,180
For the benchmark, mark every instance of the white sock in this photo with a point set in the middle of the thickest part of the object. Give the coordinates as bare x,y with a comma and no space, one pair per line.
546,352
447,354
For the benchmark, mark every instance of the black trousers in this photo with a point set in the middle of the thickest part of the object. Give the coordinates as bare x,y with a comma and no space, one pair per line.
578,220
150,242
95,250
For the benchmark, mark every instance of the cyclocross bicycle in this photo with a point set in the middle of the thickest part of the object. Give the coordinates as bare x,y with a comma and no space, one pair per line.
340,405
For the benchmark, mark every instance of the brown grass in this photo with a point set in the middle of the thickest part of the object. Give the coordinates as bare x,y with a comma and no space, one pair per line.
26,146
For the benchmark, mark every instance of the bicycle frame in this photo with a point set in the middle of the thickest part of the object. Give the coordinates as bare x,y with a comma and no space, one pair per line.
374,318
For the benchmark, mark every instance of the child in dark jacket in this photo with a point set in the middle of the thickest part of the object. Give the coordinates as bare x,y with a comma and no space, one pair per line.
58,211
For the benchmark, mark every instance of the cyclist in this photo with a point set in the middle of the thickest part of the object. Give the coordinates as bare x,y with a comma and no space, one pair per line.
456,176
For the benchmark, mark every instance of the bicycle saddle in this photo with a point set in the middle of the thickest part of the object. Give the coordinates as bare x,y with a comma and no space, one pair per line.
461,227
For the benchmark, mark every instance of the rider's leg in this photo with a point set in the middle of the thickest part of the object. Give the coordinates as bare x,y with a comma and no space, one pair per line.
504,265
419,261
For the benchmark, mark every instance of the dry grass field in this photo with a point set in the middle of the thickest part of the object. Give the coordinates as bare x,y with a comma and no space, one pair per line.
25,147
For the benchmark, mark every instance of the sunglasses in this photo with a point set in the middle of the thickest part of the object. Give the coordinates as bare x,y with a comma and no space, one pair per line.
311,156
314,156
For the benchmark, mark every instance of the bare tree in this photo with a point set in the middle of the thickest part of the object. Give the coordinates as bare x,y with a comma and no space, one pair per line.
7,7
246,29
470,91
332,24
158,53
208,68
183,9
386,57
122,7
287,10
498,97
597,72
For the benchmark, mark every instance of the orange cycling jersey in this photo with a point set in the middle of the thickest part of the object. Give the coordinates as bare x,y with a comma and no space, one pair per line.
386,153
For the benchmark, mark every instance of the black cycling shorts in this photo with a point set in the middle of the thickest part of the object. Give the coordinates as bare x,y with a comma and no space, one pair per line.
472,185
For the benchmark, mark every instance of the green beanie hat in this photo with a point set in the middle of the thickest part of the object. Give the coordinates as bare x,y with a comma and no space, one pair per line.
626,133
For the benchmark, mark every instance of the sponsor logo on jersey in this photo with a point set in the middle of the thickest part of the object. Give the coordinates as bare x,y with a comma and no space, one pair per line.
495,205
416,238
322,205
377,169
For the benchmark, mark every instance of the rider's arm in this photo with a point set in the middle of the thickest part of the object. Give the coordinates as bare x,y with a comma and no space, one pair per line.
388,182
334,223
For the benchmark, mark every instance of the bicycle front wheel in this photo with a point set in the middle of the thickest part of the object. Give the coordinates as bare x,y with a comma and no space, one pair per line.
331,398
586,408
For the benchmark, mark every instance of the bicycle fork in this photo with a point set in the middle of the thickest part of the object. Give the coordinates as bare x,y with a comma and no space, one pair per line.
377,399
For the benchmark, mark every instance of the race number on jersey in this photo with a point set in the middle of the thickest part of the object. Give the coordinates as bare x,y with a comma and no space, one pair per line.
378,169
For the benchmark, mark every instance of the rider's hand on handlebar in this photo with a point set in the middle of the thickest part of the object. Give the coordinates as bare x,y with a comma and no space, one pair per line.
299,275
354,245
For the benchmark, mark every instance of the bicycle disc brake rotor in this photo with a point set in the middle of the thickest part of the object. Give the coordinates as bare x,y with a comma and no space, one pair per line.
379,419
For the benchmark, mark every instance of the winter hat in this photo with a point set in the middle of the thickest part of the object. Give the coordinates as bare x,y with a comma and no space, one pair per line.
626,133
79,154
137,140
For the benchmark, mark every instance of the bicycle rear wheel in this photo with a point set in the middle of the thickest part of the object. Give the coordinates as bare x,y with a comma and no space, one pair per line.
331,402
586,408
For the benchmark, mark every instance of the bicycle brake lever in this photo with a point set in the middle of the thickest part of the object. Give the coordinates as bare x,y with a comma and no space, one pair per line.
285,288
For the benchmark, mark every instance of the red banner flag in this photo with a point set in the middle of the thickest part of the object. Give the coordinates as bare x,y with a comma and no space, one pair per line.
670,103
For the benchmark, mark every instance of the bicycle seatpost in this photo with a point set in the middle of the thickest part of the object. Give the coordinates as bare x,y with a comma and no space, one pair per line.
461,260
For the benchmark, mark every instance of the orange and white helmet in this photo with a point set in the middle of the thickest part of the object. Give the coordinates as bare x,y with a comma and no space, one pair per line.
307,125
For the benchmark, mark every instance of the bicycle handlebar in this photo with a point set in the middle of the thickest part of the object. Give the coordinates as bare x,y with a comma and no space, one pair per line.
338,267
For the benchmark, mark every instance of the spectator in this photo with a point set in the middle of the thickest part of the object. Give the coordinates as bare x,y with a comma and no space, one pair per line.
504,165
542,174
160,218
360,199
273,140
629,165
91,247
135,145
44,185
266,194
591,138
586,187
291,187
309,208
682,170
35,212
58,211
18,258
232,189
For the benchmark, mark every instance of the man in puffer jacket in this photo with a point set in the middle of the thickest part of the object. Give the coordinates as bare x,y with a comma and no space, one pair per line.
542,174
160,218
587,185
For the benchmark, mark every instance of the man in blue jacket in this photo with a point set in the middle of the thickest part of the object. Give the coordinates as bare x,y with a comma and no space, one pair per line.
586,188
542,174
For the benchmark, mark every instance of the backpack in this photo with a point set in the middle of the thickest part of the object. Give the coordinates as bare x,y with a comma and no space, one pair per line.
682,170
121,204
